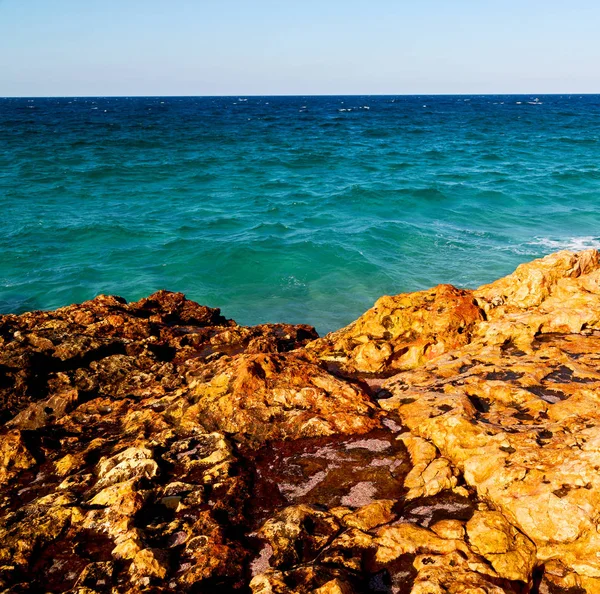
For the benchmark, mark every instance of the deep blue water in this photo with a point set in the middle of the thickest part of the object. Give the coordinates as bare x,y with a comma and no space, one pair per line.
297,209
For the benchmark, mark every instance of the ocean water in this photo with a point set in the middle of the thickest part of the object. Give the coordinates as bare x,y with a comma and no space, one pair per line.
296,209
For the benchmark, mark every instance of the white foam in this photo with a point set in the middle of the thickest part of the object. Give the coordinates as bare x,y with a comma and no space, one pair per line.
575,244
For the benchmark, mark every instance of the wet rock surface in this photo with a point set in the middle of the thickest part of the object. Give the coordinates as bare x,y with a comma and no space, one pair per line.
448,441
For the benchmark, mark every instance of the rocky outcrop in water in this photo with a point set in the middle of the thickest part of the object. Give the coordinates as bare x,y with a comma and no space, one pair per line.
448,441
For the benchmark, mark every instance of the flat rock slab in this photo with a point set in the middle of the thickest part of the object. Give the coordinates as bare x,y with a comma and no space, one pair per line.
329,472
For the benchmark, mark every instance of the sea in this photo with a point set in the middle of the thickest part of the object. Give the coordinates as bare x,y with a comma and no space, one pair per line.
288,209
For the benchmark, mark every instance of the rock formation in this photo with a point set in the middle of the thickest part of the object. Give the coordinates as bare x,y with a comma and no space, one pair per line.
448,441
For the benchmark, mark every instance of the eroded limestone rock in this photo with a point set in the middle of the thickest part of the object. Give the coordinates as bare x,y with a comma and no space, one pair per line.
446,442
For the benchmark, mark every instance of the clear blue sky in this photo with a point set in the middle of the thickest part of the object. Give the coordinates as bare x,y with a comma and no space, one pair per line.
232,47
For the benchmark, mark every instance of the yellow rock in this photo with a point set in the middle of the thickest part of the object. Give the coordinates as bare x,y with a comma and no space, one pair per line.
14,455
124,497
511,553
451,529
148,563
516,409
371,515
334,587
134,462
400,539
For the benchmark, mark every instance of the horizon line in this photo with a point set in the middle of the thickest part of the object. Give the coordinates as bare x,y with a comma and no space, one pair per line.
298,95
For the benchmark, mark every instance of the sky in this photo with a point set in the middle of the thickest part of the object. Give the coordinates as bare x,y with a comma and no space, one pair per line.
289,47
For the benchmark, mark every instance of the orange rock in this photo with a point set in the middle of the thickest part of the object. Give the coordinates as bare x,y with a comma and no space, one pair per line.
401,332
282,396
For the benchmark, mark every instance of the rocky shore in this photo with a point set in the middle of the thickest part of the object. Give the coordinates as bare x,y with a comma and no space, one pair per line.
448,441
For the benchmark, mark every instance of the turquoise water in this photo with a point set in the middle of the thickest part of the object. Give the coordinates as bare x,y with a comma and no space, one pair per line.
297,209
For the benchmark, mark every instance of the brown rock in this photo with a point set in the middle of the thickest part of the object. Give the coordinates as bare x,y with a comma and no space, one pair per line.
302,580
297,534
39,414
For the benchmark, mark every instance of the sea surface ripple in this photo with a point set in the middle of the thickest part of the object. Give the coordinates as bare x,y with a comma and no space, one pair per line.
296,209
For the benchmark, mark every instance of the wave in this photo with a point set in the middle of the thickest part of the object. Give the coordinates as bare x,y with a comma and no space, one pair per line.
491,157
576,174
429,194
574,140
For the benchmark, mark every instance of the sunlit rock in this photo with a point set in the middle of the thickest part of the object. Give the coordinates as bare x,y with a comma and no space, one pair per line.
448,441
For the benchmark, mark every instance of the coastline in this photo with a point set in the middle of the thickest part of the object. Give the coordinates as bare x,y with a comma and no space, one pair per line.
446,437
